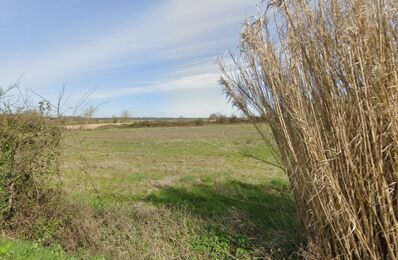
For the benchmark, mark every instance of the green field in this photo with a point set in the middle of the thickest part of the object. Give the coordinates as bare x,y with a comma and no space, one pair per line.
191,190
182,192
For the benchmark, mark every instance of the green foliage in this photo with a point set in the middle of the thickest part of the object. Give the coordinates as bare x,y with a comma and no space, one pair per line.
46,230
213,244
29,159
29,250
25,250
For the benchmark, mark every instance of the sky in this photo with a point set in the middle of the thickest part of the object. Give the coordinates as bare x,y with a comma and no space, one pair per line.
154,58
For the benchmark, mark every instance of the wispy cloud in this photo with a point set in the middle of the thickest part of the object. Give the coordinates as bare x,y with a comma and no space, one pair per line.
205,80
180,32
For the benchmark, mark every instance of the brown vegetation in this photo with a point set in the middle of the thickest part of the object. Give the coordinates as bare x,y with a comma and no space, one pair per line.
327,83
29,158
219,120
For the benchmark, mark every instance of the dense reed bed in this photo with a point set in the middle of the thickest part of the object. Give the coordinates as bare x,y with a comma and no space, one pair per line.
327,82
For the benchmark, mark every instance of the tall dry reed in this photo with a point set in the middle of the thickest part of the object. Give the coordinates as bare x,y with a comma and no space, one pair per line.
325,75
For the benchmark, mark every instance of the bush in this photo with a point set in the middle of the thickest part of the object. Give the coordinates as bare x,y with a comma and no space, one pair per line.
29,159
327,85
218,118
199,122
32,204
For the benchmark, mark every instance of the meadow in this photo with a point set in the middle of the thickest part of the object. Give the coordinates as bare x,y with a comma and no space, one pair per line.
184,191
171,192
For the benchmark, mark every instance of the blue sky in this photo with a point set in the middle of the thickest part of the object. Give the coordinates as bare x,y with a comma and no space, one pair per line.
152,58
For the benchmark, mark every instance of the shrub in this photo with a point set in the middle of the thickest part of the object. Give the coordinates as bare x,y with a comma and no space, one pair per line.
218,118
29,159
325,75
199,122
31,202
233,119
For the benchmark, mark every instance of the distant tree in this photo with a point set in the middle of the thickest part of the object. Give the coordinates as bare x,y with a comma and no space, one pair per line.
114,119
217,117
125,115
89,112
233,118
212,116
222,119
199,122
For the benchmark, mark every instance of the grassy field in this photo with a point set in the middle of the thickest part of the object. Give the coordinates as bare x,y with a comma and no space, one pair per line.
172,192
183,191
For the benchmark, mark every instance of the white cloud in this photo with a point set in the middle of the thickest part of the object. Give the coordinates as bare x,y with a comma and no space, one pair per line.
188,32
205,80
171,29
192,91
198,103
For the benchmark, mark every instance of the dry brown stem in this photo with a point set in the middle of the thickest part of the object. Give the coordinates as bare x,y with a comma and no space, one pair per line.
327,82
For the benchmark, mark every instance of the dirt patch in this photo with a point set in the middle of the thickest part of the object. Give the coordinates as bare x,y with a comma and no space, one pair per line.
91,126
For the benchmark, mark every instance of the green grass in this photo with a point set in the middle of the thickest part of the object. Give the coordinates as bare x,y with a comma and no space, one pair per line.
28,250
187,190
17,249
137,161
